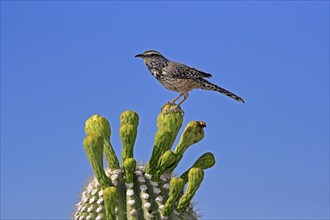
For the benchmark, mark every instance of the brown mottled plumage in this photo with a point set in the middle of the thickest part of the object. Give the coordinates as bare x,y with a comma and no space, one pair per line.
179,77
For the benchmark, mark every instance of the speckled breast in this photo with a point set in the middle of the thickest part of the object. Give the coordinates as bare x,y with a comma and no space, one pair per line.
178,85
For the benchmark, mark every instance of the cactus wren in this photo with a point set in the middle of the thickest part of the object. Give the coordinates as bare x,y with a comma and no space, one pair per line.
179,77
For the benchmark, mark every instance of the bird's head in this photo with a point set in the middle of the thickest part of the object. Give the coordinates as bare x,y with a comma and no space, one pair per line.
153,58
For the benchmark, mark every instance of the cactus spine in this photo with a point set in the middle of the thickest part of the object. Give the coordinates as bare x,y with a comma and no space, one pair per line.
141,191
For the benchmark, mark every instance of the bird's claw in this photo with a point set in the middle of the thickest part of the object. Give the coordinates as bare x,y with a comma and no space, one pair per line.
170,103
175,108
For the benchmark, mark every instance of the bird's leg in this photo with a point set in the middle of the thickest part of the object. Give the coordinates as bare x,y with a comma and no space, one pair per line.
185,97
175,99
178,106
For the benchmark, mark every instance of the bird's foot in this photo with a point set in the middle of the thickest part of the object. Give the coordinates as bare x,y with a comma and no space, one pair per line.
176,108
170,104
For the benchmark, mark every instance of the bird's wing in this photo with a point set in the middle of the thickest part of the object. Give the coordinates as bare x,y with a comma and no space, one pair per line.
182,71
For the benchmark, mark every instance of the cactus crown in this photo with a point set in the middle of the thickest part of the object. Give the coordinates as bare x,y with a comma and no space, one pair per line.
141,191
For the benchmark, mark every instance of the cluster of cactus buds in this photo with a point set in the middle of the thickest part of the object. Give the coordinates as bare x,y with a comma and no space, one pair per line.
150,191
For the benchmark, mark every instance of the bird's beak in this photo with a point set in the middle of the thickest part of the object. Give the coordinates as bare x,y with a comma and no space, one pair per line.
139,55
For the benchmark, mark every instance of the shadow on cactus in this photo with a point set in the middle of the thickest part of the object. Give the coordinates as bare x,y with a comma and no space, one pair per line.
148,191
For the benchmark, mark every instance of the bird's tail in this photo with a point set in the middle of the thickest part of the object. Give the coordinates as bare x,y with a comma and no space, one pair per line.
210,86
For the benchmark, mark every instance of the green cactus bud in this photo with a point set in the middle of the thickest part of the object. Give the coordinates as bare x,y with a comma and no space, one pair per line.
97,125
176,188
129,122
110,199
193,133
205,161
129,167
129,117
172,119
168,128
195,178
165,162
128,134
161,143
171,122
94,150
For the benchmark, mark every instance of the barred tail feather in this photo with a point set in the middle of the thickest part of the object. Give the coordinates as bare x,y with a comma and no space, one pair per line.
209,86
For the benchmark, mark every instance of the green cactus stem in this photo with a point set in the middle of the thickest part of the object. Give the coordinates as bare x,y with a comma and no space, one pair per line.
195,178
168,128
170,122
110,155
128,135
204,162
176,189
161,142
137,191
129,122
167,160
193,133
94,150
97,125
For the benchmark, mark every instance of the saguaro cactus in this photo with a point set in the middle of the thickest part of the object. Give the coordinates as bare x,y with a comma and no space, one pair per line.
141,191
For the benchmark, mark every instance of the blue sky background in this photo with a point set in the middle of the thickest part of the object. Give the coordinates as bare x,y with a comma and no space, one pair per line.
63,61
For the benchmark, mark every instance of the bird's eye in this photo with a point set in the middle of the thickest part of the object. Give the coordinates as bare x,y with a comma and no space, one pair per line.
153,55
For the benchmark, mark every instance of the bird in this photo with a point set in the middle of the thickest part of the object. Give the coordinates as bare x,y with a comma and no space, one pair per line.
179,77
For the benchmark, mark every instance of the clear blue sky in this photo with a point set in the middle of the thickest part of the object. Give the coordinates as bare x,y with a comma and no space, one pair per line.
63,61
